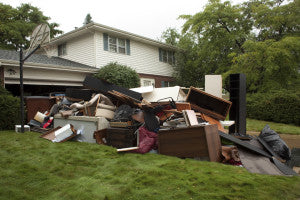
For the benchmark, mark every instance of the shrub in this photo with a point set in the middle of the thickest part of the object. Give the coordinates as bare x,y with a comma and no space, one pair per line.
121,75
3,91
9,112
277,106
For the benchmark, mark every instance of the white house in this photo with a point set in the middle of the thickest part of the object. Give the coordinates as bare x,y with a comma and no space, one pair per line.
97,45
82,52
41,74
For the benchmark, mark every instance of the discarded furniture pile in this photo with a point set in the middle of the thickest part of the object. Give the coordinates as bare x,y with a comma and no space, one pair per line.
176,124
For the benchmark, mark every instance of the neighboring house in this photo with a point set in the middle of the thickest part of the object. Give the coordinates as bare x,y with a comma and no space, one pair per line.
97,45
40,72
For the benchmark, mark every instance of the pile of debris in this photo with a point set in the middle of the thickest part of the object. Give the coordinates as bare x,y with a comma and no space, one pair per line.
170,123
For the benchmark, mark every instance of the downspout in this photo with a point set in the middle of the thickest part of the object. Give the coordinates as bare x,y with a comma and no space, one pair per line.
95,49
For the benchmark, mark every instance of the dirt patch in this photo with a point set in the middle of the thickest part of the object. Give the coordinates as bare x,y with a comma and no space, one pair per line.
293,141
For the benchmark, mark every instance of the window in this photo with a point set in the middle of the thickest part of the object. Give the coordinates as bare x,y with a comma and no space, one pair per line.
112,42
62,49
166,56
147,82
170,57
166,84
116,45
121,46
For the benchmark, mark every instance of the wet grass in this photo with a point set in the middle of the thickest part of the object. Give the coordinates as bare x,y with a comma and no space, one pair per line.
35,168
258,125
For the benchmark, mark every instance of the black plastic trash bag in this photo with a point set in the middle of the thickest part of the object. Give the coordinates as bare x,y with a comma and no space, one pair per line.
123,113
275,142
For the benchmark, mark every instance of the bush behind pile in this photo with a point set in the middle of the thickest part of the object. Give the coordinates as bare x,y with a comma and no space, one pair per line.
281,106
118,74
9,110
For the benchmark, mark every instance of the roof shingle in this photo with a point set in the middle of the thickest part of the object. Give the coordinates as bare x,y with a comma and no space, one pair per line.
42,59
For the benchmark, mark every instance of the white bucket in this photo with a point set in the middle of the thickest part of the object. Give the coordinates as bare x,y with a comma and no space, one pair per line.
39,117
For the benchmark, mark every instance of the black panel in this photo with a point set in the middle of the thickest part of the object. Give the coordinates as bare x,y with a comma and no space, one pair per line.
84,94
238,98
103,87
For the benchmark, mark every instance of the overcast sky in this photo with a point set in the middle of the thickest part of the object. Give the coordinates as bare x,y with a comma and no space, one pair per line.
146,18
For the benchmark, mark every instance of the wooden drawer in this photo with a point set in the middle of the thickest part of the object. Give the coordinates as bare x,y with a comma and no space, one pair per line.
121,137
208,104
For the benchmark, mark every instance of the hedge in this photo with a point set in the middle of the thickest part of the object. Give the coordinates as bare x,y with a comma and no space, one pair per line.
9,111
118,74
277,106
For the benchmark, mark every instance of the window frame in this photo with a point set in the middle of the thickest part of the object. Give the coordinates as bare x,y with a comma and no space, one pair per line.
62,49
151,80
117,45
166,56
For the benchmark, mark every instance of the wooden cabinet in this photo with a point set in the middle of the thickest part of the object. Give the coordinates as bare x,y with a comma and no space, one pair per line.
193,142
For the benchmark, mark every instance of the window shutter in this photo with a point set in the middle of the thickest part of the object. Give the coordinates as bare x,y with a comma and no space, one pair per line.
160,54
128,47
105,42
162,84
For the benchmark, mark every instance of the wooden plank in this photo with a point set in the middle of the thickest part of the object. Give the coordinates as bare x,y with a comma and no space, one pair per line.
214,143
212,121
208,112
191,117
127,149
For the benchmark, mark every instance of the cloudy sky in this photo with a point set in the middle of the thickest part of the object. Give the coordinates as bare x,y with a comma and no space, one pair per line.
147,18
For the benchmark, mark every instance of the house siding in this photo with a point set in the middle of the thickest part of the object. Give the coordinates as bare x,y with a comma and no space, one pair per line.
81,50
158,79
143,58
36,76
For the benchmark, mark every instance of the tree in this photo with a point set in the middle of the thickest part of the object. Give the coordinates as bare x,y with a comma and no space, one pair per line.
271,59
272,19
207,39
269,64
88,19
258,37
187,68
118,74
18,23
221,29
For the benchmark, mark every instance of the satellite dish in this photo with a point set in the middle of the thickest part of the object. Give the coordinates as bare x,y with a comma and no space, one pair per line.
39,36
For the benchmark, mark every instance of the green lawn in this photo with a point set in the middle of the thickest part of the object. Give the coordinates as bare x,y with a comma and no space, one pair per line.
35,168
258,125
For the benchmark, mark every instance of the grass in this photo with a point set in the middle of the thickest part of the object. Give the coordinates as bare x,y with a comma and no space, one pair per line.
35,168
258,125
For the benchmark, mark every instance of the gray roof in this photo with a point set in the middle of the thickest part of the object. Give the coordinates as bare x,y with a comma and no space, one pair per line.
43,59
